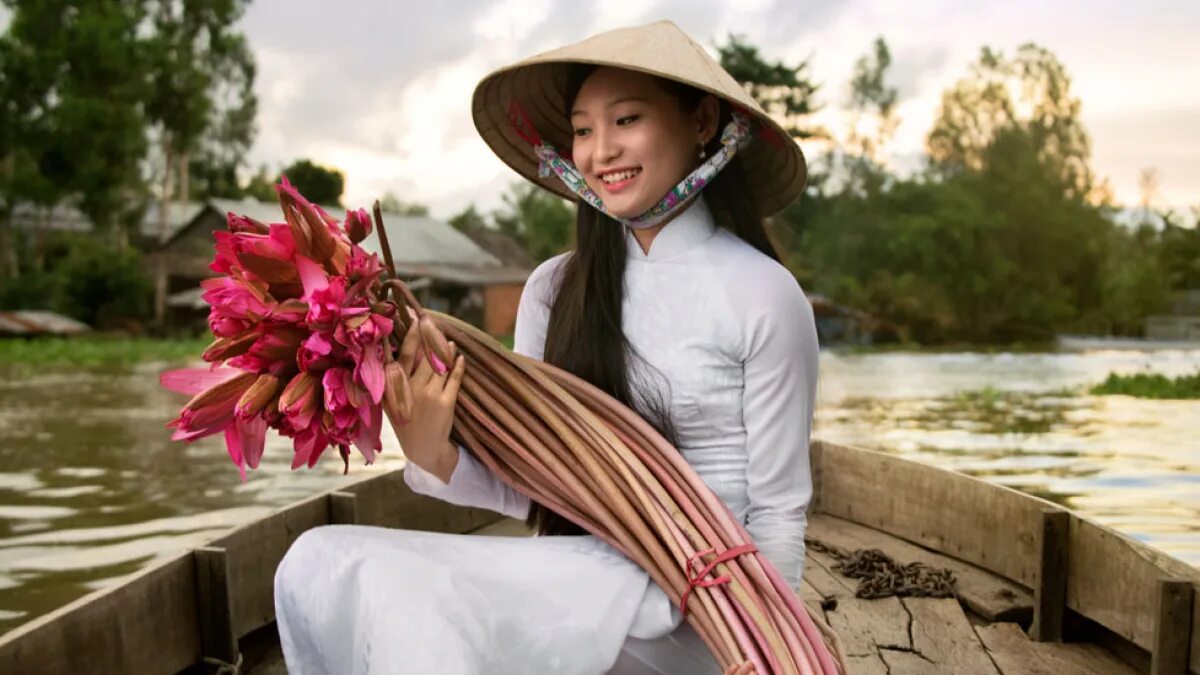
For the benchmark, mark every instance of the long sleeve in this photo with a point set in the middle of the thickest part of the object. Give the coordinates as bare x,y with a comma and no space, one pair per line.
472,483
780,369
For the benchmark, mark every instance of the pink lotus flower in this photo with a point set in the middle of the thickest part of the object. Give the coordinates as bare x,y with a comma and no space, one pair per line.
358,225
211,411
302,330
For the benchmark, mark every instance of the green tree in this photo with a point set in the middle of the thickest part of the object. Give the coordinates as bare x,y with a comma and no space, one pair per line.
201,96
76,70
319,184
390,203
784,91
873,121
260,186
468,220
1030,92
542,222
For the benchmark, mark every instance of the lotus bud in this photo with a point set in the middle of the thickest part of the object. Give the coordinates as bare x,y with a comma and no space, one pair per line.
397,393
384,309
299,398
257,396
238,223
435,344
358,225
229,347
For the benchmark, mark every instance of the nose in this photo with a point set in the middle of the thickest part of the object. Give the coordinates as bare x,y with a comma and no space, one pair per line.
605,148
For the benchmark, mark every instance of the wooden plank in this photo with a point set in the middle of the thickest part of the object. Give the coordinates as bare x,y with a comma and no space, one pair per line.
869,664
903,662
813,600
862,625
948,512
342,508
1014,653
213,605
254,551
505,527
1172,628
989,595
1050,594
1113,580
145,625
387,501
942,634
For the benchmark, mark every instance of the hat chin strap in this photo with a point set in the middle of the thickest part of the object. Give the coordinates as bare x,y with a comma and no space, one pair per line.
736,135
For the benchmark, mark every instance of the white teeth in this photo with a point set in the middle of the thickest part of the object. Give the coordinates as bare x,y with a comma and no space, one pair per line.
620,176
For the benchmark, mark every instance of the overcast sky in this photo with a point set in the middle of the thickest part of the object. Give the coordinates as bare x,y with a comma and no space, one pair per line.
381,89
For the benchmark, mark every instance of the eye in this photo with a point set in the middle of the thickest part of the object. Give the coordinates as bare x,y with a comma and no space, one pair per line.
581,132
631,118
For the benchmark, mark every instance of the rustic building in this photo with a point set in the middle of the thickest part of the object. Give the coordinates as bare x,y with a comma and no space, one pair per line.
446,269
1183,323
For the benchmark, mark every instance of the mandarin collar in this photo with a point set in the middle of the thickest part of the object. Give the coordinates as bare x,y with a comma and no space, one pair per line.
685,231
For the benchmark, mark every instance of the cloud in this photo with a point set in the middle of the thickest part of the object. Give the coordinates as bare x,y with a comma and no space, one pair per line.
382,89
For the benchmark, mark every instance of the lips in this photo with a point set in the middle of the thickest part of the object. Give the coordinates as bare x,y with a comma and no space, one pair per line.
615,181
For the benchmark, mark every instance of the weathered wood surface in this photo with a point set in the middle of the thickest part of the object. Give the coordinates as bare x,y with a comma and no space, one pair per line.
1050,595
1111,579
1172,628
991,596
214,610
1114,579
990,526
146,625
1014,652
254,551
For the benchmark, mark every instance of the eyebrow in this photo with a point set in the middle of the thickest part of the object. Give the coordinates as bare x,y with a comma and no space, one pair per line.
623,99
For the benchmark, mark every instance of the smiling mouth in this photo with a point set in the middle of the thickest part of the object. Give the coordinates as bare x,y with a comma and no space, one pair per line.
615,180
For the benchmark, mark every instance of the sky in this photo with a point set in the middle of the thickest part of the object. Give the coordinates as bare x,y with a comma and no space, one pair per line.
381,89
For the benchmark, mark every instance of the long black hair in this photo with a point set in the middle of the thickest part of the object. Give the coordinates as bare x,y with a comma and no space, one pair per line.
585,335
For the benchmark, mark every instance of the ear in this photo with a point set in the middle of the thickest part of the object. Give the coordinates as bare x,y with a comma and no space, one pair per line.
706,118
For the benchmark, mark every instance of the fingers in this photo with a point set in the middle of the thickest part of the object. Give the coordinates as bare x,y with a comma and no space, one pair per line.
408,348
423,374
454,379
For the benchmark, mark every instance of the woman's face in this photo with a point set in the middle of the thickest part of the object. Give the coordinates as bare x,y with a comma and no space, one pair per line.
632,140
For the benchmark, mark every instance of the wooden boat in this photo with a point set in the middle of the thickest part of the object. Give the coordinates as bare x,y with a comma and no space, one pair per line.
1039,589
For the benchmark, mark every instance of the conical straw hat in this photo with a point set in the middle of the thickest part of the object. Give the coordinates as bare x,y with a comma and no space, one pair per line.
774,165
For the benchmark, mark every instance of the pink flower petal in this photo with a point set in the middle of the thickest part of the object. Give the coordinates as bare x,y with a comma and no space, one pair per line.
370,372
252,435
233,443
312,276
192,381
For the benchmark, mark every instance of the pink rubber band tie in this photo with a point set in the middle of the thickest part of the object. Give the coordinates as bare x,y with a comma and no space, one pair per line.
699,581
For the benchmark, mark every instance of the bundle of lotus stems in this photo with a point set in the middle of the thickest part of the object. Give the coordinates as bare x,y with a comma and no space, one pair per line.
573,448
301,303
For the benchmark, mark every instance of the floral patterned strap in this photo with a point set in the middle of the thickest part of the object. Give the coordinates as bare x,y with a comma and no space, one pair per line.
736,135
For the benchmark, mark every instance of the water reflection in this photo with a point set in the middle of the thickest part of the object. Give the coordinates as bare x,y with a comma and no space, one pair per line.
92,489
1025,421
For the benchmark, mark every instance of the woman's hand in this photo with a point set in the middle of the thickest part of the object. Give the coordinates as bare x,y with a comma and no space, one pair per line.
746,668
425,439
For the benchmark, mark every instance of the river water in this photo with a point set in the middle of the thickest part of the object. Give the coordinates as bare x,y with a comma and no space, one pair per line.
92,489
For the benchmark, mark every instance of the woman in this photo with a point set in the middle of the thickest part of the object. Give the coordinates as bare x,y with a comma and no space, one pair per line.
674,302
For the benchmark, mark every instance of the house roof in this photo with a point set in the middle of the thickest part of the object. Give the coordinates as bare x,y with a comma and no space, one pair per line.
65,218
414,239
38,322
508,250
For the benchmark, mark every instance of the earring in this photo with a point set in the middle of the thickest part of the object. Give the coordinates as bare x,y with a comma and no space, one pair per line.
701,151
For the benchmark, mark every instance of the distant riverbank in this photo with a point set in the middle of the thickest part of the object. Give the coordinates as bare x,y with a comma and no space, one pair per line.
19,355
